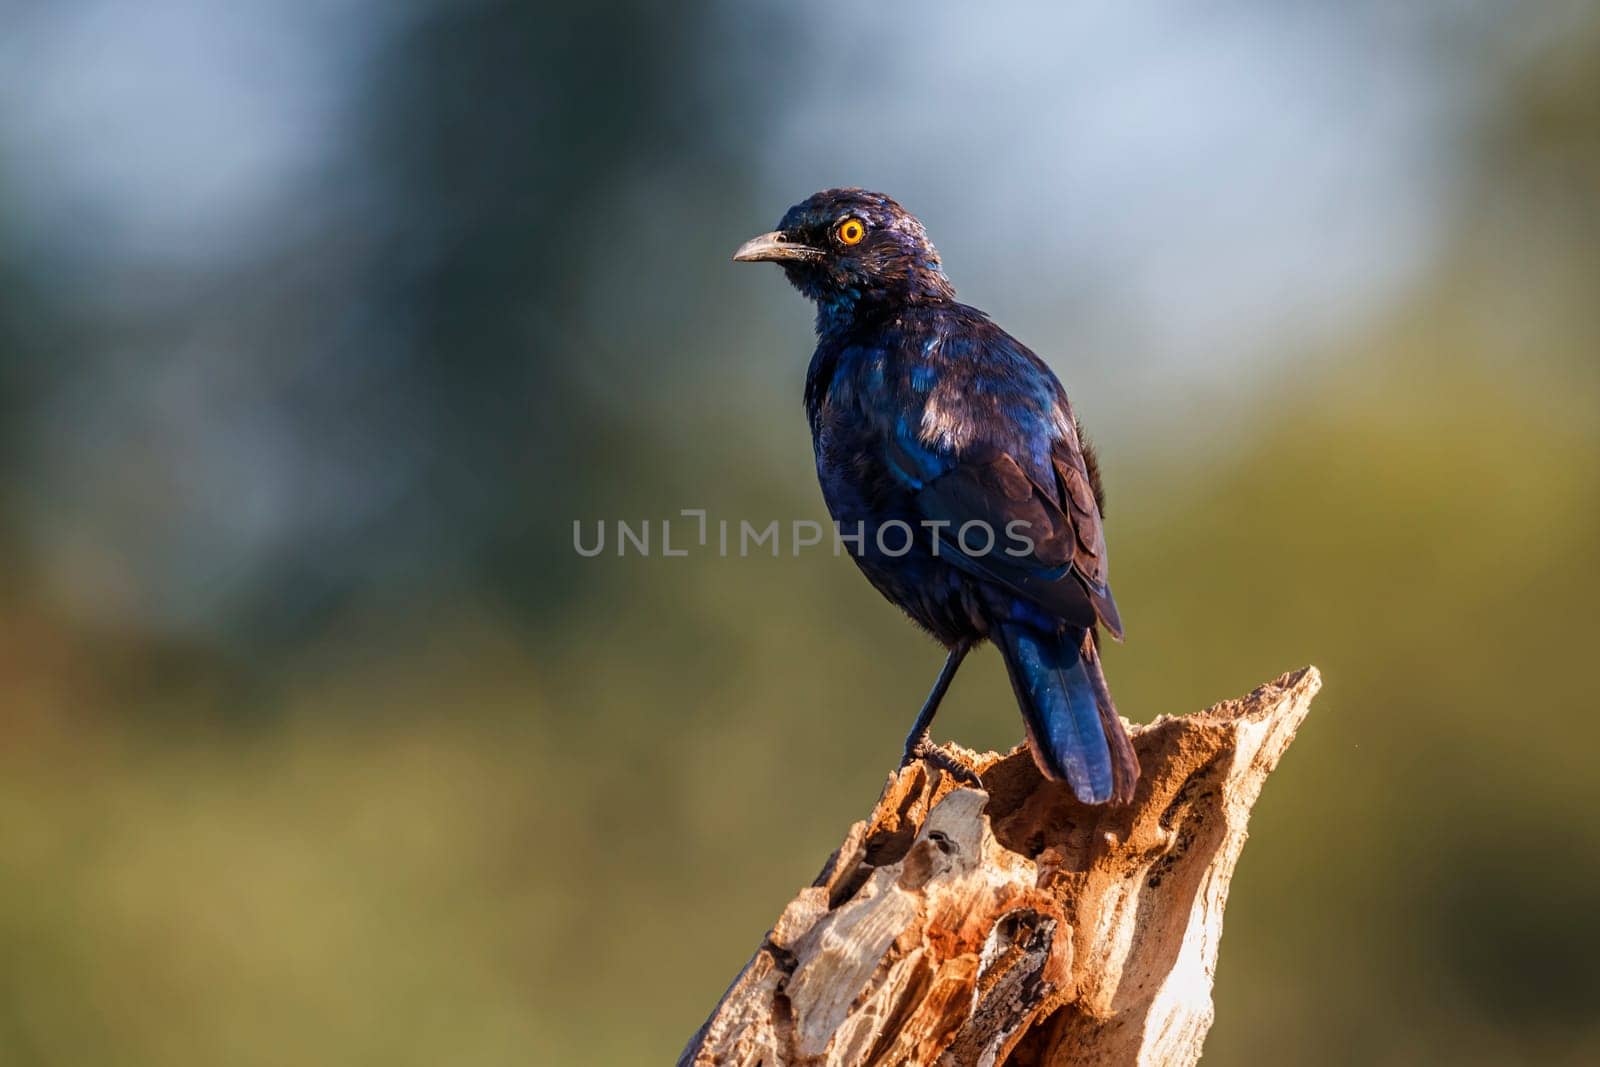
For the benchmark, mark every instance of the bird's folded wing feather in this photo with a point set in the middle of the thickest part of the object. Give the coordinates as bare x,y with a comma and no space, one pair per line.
1065,572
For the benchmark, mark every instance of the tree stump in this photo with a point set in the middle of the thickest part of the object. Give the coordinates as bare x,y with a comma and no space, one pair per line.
1013,925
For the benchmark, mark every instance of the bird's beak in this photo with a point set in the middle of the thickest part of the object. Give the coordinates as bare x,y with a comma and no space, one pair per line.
774,247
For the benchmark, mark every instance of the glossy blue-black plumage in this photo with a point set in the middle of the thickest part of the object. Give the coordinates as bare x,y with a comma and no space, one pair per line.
926,416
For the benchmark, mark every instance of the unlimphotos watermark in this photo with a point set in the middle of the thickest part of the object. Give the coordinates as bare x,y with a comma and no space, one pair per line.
742,539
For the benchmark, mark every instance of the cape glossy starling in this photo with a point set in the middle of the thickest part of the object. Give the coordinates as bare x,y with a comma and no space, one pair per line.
952,450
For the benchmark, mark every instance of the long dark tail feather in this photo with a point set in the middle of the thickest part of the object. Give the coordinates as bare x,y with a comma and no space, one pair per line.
1073,727
1124,763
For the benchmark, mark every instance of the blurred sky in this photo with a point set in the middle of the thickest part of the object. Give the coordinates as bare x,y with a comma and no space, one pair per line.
1197,198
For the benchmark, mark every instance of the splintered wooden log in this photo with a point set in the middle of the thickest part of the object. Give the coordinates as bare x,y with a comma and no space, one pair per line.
1013,925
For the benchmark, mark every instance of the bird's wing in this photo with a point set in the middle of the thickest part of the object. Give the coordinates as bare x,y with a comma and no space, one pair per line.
1078,488
1064,571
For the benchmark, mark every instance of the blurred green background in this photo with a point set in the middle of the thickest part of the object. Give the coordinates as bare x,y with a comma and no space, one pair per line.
320,323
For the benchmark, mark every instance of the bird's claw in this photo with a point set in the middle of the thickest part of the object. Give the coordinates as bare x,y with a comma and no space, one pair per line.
934,756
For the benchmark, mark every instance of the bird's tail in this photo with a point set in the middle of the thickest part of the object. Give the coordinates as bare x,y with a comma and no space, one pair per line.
1073,727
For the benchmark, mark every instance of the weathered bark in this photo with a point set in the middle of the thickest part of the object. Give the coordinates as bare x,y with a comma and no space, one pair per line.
1013,925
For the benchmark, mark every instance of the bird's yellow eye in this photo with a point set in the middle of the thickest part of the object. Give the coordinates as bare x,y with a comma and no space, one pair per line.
851,231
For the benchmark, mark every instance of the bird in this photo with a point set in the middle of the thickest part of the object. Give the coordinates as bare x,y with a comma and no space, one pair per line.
956,471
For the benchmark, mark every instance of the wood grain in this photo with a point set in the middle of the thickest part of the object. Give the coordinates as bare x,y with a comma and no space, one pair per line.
1012,925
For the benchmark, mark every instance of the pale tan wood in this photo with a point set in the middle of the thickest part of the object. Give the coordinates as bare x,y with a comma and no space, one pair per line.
1013,925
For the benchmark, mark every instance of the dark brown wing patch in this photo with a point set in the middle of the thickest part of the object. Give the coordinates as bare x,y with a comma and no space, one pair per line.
1078,478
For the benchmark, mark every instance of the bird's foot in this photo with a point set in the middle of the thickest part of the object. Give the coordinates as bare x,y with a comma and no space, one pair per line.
924,749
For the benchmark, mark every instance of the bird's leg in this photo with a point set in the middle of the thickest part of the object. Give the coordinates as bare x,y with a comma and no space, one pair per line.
918,745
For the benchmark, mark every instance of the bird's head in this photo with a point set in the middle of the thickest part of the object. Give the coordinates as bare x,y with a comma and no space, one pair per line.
848,248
